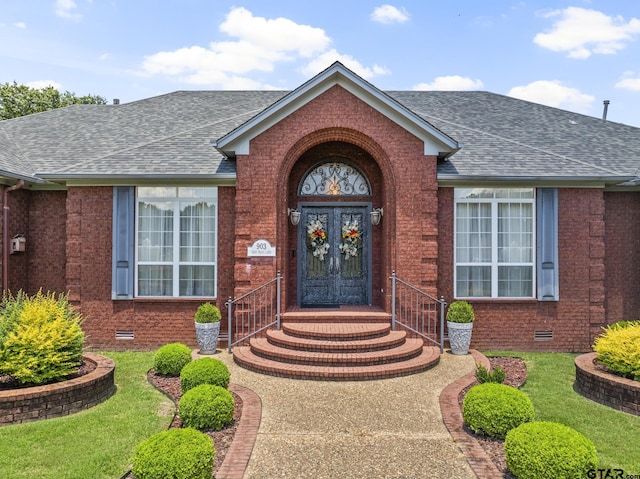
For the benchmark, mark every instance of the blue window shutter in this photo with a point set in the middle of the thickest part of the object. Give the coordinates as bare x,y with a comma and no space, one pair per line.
547,244
123,242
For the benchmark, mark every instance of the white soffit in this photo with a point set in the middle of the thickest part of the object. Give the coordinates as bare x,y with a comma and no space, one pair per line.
435,142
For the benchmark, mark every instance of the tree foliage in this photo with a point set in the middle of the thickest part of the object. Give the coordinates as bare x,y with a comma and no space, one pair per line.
19,100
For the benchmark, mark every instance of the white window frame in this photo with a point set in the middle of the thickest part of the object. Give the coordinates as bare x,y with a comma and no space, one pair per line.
176,263
495,264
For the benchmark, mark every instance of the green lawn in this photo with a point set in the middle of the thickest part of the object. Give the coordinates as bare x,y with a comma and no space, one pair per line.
550,378
93,444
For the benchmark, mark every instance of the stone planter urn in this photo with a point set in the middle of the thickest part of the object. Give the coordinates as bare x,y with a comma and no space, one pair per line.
207,320
459,337
460,318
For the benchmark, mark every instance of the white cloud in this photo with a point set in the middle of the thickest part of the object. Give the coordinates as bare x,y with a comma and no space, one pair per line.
322,61
389,14
450,83
64,9
40,84
20,25
555,94
258,45
582,32
629,82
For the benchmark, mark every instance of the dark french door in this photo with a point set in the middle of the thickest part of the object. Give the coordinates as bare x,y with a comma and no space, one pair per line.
334,245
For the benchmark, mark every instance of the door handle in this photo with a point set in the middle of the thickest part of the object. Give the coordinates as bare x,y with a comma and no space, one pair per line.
338,265
331,265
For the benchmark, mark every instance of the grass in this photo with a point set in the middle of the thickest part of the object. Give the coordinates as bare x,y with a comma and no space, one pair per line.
96,443
550,378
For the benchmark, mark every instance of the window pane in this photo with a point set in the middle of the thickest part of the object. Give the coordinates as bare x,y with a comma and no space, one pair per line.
197,280
473,233
156,192
473,281
155,280
155,231
515,281
515,233
197,232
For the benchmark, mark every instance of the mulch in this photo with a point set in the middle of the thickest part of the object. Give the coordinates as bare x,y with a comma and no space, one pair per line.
515,375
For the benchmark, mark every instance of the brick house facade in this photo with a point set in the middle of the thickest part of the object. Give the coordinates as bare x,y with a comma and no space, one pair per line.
261,147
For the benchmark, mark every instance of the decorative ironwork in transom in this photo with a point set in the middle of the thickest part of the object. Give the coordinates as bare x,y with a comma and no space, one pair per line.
335,178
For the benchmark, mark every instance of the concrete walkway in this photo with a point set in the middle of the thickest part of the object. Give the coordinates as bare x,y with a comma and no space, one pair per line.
389,428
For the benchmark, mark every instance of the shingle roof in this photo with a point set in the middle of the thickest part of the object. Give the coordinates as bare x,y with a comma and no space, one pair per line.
171,135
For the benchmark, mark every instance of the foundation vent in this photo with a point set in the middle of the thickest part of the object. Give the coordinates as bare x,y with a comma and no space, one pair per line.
543,335
124,334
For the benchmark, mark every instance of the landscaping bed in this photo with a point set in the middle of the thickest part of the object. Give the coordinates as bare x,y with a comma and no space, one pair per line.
515,375
222,439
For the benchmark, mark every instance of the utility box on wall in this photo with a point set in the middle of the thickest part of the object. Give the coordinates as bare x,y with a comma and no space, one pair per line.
18,244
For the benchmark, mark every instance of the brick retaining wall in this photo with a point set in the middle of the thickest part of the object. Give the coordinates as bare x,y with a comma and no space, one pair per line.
608,389
59,399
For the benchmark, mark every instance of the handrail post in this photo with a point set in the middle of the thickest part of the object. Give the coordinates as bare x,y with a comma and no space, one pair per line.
278,300
443,305
393,300
229,314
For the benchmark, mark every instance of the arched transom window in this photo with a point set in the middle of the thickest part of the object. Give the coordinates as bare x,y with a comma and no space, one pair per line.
334,178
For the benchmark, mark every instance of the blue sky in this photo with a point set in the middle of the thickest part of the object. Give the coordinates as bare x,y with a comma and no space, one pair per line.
567,54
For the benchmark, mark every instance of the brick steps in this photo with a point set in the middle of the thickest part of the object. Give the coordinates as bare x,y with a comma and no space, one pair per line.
285,340
336,351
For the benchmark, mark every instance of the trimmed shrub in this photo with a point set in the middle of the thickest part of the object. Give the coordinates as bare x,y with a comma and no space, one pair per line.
483,375
204,371
171,358
206,407
43,338
175,453
207,313
460,312
548,450
618,348
494,409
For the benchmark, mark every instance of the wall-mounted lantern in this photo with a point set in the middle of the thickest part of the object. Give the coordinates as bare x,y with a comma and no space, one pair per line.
376,216
294,216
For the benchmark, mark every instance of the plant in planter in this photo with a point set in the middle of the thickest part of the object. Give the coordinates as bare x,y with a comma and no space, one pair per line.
207,321
460,318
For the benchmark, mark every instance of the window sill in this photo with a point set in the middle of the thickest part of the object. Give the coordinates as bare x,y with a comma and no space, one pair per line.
502,300
167,299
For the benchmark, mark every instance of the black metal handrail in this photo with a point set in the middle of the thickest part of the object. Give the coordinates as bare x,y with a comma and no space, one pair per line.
416,311
254,311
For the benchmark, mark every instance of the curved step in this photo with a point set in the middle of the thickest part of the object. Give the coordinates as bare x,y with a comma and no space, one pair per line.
409,349
280,338
243,356
336,331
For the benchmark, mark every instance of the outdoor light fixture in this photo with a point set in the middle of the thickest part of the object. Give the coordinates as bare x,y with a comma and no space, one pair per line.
294,216
376,216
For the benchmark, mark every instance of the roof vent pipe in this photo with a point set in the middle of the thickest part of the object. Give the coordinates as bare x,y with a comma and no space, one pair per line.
116,101
606,107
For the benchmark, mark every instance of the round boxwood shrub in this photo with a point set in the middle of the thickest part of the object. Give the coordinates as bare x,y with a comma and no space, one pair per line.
204,371
206,407
171,358
548,450
176,453
494,409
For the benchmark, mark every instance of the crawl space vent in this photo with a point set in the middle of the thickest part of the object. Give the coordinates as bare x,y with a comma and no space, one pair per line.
543,335
124,334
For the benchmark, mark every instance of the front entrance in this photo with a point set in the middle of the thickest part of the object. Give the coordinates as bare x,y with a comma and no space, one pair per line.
334,260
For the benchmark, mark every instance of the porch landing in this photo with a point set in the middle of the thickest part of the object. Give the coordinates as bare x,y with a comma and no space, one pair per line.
337,344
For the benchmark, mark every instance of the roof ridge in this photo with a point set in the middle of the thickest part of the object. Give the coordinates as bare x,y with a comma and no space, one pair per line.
103,157
519,143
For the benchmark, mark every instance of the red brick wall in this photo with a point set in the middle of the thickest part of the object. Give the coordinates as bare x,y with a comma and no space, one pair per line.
46,242
18,273
153,321
622,265
407,190
577,317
